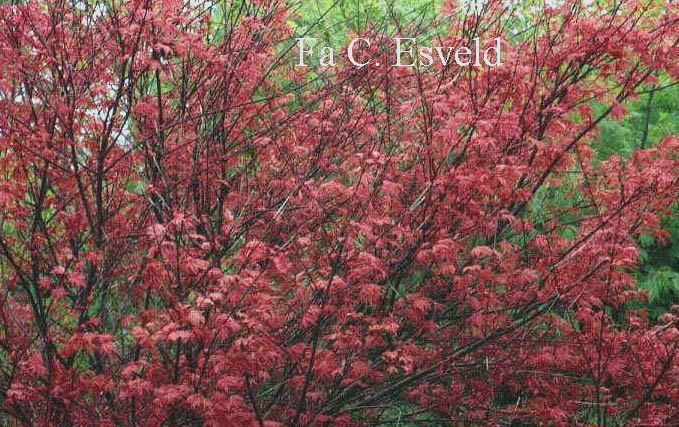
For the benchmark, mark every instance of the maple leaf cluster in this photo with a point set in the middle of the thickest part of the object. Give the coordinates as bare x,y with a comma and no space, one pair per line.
195,232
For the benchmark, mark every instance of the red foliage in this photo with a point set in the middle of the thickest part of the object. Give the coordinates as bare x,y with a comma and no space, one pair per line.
191,234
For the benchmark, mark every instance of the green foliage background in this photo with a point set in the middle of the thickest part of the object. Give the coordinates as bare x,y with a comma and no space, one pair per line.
654,116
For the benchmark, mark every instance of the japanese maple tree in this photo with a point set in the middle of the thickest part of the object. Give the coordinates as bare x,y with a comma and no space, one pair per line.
194,231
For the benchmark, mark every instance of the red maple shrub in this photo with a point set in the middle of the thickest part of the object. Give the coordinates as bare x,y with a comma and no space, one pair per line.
196,232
